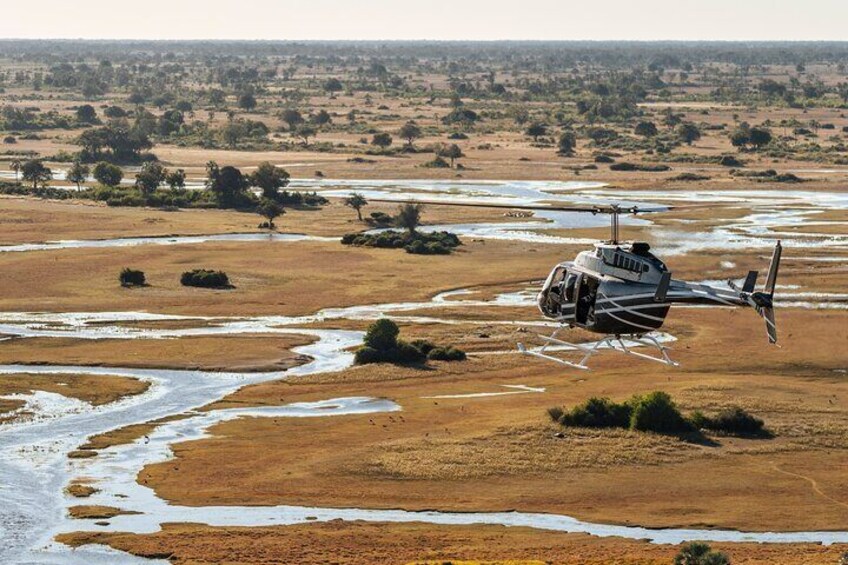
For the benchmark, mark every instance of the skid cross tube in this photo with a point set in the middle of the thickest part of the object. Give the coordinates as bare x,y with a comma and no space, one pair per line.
610,342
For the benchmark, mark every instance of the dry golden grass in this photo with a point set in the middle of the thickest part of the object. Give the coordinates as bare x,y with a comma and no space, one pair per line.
361,543
79,490
500,453
94,512
270,278
29,220
122,435
96,389
247,352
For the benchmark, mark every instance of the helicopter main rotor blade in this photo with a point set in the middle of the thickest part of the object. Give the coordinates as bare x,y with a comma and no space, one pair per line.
605,209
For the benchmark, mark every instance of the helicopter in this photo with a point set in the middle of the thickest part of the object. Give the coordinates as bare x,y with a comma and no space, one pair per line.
624,292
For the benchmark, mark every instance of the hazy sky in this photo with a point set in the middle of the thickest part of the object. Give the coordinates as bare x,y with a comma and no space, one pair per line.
427,19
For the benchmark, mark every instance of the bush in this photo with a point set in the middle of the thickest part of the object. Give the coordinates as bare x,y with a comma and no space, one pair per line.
435,243
365,355
655,412
205,278
604,159
380,219
132,277
437,163
555,413
733,420
383,346
407,353
597,413
689,177
699,553
423,346
382,335
446,354
639,167
730,161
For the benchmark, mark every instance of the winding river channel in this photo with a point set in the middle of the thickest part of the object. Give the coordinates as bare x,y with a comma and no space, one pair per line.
34,463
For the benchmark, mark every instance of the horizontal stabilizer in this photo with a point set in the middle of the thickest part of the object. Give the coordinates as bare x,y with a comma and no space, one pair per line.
750,282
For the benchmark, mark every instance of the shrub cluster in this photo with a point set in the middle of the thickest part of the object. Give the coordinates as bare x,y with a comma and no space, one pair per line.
769,175
380,219
699,553
732,421
435,243
205,278
654,412
639,167
686,177
383,346
132,277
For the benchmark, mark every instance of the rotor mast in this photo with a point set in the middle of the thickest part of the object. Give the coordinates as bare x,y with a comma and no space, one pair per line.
613,212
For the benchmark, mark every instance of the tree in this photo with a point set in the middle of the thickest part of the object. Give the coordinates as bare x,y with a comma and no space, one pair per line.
176,179
356,201
217,97
270,179
37,173
567,143
305,132
410,132
16,166
87,114
232,132
270,210
333,85
382,335
151,175
107,174
247,101
77,174
292,118
114,112
381,140
670,119
741,136
646,129
451,152
409,217
537,130
323,117
688,133
759,137
227,184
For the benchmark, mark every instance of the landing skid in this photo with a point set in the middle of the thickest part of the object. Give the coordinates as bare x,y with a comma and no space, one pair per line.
622,344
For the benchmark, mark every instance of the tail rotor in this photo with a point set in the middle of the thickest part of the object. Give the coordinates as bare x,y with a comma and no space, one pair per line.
763,301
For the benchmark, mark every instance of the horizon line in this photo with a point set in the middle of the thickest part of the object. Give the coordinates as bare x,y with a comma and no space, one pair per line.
414,40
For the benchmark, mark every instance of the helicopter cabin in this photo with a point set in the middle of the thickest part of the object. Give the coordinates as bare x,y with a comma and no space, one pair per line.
580,292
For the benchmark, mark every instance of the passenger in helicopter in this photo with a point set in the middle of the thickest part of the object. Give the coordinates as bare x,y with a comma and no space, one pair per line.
586,296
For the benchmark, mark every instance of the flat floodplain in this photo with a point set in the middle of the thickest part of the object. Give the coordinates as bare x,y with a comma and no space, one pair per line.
229,425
